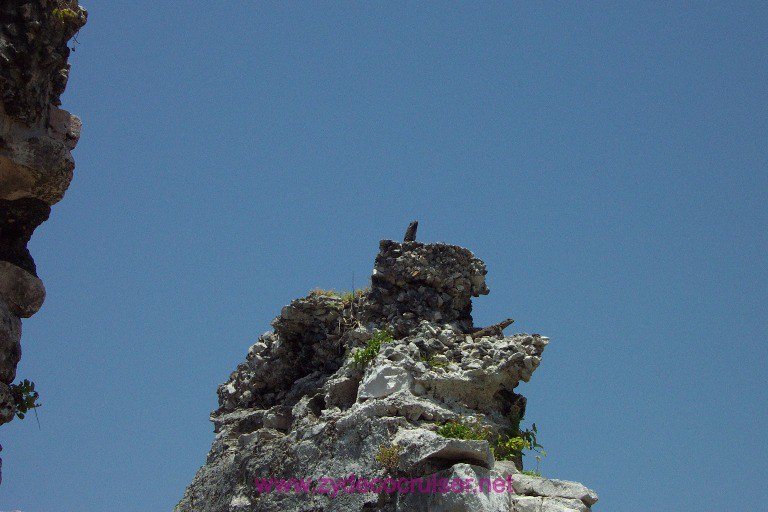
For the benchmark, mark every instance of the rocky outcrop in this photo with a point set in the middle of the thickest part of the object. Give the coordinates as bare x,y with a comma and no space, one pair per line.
36,166
361,388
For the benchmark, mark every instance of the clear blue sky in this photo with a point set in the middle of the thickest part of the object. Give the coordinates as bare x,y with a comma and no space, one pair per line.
607,160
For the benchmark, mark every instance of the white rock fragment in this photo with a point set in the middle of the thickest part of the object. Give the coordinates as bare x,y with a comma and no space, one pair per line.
383,381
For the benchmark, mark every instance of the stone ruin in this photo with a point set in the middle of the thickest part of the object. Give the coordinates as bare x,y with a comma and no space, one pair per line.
303,406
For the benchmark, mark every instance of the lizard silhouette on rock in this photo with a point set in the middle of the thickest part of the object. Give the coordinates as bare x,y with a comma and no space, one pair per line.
410,233
492,330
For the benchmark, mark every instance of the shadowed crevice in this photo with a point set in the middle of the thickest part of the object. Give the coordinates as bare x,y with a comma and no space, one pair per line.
18,220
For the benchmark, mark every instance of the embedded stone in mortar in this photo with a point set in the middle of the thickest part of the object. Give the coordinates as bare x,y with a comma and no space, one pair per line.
413,281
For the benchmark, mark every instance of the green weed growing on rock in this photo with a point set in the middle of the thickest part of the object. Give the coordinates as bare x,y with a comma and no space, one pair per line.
345,295
434,363
24,397
508,448
471,429
511,446
65,13
349,297
362,356
534,472
319,292
505,447
388,456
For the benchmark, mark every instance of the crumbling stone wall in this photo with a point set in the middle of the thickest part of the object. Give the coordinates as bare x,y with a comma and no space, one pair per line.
412,281
36,166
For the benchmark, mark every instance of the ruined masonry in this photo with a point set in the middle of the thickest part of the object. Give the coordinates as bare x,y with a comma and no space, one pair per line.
302,405
36,166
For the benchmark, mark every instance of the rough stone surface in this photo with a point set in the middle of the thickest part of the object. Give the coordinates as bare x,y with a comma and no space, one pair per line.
7,410
424,452
36,165
537,486
546,504
35,135
383,381
472,496
21,291
412,282
300,407
10,343
34,54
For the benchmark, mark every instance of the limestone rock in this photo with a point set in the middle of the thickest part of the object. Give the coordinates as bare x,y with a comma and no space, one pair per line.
7,410
537,486
383,381
546,504
23,292
10,343
471,495
35,136
481,489
301,409
425,452
36,166
34,54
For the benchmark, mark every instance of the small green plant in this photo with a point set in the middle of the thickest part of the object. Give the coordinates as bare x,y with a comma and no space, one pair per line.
349,297
319,292
511,446
505,447
388,456
363,356
434,363
69,15
465,428
24,397
530,440
345,295
534,472
508,448
64,12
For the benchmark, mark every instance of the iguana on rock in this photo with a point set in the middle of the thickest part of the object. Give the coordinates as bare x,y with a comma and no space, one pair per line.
410,233
492,330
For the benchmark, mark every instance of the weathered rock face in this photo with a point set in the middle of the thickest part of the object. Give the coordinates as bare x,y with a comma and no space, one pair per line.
36,166
306,405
